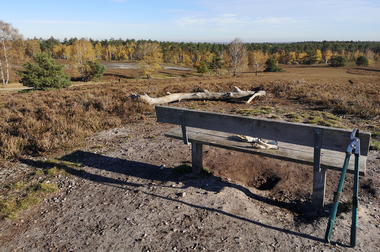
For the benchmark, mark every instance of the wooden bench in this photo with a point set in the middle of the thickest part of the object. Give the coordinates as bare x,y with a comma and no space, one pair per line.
319,146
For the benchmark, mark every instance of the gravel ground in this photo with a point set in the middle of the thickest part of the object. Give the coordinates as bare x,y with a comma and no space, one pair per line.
127,198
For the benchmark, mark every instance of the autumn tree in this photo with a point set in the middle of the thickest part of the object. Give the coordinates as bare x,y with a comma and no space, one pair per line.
99,51
149,56
202,67
93,70
46,74
81,52
11,49
257,58
327,56
311,58
32,47
238,55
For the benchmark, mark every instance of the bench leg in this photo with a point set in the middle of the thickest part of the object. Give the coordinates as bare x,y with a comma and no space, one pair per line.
197,159
319,185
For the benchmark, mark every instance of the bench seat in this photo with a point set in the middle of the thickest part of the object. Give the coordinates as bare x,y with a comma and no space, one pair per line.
289,152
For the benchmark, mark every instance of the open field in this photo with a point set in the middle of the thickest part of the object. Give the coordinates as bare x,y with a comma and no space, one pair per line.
104,153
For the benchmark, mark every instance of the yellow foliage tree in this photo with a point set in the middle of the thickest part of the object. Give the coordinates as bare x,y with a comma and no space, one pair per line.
131,48
300,56
186,59
149,57
32,47
81,52
121,52
327,56
357,54
370,55
110,52
318,56
257,58
98,51
292,56
12,49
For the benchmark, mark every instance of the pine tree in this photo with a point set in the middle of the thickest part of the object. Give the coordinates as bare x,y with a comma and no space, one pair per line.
338,61
46,74
271,66
362,61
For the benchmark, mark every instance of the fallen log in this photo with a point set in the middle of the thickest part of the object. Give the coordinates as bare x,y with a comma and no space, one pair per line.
205,95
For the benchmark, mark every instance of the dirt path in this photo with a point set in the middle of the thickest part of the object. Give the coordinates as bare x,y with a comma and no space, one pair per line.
127,198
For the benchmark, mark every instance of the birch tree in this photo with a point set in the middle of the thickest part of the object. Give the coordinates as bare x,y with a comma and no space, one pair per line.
257,58
150,57
81,52
11,49
238,55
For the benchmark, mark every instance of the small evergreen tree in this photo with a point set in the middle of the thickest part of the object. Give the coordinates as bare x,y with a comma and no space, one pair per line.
362,61
46,74
217,63
338,61
271,66
93,70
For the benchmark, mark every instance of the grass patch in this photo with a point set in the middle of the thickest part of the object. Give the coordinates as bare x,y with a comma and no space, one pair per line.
183,169
10,207
16,185
254,112
43,187
206,171
323,118
294,117
374,146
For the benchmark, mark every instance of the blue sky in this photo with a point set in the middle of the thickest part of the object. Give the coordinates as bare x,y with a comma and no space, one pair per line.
196,21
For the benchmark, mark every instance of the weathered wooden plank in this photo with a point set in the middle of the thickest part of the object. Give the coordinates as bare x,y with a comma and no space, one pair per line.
294,133
289,152
197,157
319,188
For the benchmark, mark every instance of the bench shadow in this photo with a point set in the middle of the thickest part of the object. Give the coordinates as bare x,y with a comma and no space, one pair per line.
303,210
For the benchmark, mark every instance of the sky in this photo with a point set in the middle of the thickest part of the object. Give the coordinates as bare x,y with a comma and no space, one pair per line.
196,21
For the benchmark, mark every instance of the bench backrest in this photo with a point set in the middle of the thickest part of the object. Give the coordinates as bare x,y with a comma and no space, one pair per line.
335,139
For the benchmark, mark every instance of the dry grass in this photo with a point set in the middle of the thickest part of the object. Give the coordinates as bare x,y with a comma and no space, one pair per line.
38,122
359,100
34,123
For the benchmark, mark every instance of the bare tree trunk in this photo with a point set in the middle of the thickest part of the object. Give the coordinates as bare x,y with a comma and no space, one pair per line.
6,66
2,73
205,95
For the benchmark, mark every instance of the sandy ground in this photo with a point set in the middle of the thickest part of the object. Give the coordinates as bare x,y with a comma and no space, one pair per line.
127,198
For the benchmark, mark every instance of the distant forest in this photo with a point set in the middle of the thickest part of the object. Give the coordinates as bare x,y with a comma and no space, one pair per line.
309,52
271,48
